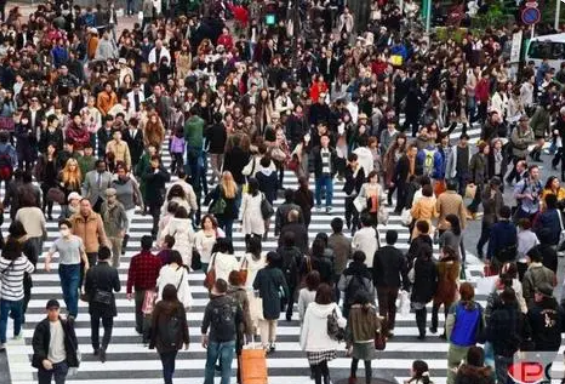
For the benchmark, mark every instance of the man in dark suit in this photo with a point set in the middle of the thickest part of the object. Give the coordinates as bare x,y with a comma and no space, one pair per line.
133,136
329,67
101,282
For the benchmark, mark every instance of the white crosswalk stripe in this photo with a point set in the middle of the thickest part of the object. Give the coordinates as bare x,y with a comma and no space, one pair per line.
129,362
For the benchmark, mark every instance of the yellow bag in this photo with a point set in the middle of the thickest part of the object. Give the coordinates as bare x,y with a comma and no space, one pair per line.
396,60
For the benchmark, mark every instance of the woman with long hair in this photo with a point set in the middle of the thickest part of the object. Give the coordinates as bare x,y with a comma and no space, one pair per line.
304,198
46,171
153,131
371,197
363,324
314,339
225,201
391,158
237,156
448,275
167,311
70,180
252,222
552,187
206,238
419,373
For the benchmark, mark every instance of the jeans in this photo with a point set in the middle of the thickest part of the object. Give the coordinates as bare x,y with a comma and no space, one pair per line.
70,283
501,364
227,226
224,352
59,372
108,324
485,236
368,369
324,182
7,307
168,361
192,158
387,304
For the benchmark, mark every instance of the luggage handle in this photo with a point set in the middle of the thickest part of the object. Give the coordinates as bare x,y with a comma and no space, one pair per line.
252,343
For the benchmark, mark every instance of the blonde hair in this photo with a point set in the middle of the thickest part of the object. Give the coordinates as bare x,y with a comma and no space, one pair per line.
69,176
229,187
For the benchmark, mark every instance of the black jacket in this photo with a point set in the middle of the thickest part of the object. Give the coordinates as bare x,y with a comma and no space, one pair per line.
546,338
216,137
318,161
42,337
300,235
353,183
281,215
234,161
506,329
135,144
425,281
105,278
225,330
322,265
389,265
155,185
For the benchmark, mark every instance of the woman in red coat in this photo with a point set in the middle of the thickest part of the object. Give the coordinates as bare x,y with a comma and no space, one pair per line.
317,88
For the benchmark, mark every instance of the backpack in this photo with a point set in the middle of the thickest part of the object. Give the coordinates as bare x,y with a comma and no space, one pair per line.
469,327
168,331
355,285
428,165
290,269
223,317
6,165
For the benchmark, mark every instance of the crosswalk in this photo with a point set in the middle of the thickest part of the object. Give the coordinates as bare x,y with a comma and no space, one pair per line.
128,361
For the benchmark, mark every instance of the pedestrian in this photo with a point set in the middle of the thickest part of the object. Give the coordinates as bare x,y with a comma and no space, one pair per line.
453,236
354,180
115,221
298,230
271,285
176,274
527,239
492,201
155,178
223,317
129,195
205,239
342,250
390,273
448,268
225,203
72,256
223,261
33,221
281,214
169,330
528,192
506,329
304,198
474,371
88,225
181,228
95,184
325,169
102,281
503,241
362,326
419,373
308,294
464,328
424,209
536,275
356,277
314,338
13,266
367,239
424,278
143,272
55,346
478,173
253,224
550,219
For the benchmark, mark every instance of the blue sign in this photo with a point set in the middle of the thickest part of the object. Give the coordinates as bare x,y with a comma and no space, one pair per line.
531,16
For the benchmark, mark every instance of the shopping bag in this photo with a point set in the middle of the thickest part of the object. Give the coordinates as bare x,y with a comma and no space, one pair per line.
470,191
403,306
148,302
253,364
406,217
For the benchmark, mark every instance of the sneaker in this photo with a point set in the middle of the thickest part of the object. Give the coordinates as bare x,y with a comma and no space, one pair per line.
318,208
328,209
272,347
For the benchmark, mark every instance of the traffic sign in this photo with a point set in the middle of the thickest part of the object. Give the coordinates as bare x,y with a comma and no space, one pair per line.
531,16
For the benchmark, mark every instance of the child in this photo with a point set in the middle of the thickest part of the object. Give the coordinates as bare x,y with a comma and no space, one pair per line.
177,150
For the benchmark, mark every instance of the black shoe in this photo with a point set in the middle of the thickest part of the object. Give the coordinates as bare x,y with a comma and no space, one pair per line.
95,351
433,330
103,355
421,337
443,336
289,317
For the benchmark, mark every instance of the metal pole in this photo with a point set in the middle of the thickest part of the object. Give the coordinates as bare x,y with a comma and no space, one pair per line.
534,29
429,15
557,13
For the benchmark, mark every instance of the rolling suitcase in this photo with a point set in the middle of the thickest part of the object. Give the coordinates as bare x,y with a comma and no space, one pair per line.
253,364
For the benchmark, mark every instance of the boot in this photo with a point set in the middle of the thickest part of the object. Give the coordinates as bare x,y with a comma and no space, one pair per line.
464,129
327,379
125,244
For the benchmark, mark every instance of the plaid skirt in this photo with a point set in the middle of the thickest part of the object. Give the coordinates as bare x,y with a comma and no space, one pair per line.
315,358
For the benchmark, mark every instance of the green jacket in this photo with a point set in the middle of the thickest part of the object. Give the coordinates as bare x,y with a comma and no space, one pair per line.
86,164
194,132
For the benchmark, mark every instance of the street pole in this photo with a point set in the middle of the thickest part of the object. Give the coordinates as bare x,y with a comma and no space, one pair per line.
429,15
557,13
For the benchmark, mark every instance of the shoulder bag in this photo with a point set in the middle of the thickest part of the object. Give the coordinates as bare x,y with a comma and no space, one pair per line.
267,210
210,278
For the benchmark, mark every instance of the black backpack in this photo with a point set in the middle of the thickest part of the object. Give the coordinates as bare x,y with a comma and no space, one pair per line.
223,317
355,285
169,331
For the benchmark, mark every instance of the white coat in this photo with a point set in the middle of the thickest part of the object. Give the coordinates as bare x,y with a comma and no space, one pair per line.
223,264
314,336
181,230
253,266
252,219
177,276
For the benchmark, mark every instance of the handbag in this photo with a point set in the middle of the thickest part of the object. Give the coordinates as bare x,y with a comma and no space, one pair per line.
278,154
196,262
148,302
210,278
335,332
406,217
243,271
380,340
56,195
102,297
403,303
382,216
293,164
218,207
267,210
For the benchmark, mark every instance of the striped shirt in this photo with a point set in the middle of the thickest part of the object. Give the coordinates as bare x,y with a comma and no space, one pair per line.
12,277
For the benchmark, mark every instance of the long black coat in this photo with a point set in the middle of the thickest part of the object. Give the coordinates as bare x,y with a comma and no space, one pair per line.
425,281
105,278
155,185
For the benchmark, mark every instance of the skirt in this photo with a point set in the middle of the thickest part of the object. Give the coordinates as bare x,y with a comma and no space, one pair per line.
315,358
364,351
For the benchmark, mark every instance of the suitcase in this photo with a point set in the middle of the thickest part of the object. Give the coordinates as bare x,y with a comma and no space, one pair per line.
253,365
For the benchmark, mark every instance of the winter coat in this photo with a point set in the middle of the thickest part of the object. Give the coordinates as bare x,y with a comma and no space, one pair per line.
178,277
506,329
425,281
161,316
448,275
535,276
469,374
223,264
181,230
105,278
252,219
271,284
42,338
314,335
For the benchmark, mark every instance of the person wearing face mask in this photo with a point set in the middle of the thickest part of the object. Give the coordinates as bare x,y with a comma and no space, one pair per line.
71,252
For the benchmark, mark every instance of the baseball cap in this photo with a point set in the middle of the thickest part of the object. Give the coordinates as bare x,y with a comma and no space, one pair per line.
52,304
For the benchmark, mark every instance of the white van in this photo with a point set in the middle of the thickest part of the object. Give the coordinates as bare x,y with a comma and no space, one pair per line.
551,47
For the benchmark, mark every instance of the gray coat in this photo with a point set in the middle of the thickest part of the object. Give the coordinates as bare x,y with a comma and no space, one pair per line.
91,190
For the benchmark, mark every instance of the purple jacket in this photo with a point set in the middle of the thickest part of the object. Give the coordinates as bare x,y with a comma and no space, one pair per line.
177,144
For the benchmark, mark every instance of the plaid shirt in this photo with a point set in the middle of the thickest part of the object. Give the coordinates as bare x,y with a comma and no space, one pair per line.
143,271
